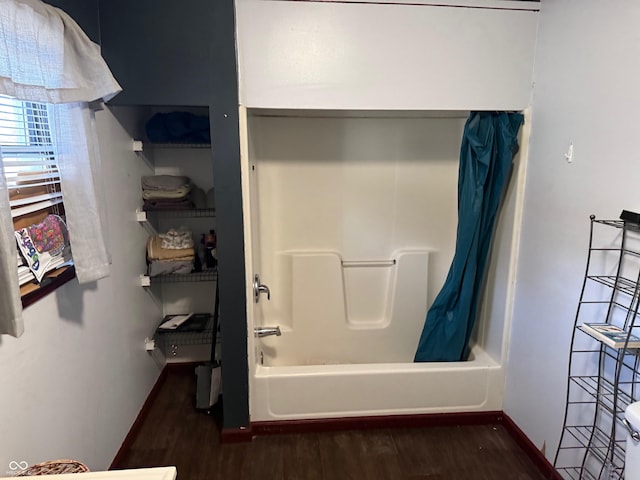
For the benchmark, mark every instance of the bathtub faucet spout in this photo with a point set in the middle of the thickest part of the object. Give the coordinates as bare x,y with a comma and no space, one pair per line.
266,331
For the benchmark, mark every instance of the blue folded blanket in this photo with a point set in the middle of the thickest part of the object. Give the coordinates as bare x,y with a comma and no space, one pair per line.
178,127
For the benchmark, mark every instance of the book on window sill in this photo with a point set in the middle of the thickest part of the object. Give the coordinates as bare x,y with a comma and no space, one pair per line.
610,335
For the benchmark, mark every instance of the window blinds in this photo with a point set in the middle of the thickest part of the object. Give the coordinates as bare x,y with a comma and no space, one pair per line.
29,157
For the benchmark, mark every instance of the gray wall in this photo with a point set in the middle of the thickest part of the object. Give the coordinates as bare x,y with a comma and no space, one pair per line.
84,12
74,382
586,91
161,51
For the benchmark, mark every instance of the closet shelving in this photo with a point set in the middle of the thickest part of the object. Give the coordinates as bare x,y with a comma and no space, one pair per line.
157,145
171,342
170,158
144,216
207,276
602,380
150,219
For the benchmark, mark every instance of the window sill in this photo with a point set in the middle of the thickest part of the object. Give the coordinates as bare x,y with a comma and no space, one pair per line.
31,292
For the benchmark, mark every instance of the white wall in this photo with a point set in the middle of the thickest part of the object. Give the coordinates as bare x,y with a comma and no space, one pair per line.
379,56
75,381
586,91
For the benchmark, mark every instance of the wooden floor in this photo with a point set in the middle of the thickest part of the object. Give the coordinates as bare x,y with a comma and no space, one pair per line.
175,433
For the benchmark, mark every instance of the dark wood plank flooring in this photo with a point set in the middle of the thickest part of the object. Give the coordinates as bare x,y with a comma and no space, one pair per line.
175,433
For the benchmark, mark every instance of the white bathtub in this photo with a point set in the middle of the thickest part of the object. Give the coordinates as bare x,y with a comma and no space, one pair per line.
332,391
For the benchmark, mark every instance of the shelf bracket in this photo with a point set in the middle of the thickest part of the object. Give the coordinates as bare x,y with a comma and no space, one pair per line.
137,146
143,219
149,344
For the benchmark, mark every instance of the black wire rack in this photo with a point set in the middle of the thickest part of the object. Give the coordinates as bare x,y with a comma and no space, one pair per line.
602,380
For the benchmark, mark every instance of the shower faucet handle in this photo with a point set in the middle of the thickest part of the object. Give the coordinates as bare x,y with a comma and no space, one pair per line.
259,288
264,288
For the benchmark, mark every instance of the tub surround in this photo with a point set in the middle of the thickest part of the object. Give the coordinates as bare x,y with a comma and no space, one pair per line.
351,274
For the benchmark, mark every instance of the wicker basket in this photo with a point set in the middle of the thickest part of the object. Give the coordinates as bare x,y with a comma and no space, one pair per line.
53,467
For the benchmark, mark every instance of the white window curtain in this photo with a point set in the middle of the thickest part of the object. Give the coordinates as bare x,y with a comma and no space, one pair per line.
81,183
46,57
10,304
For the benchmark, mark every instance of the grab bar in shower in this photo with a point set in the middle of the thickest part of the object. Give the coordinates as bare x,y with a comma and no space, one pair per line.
368,263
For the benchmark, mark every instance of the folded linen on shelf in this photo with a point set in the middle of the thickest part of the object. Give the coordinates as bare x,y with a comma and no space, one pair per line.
166,267
178,193
177,238
164,182
156,252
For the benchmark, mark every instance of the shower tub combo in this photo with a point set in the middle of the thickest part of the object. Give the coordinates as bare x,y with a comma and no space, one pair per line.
350,223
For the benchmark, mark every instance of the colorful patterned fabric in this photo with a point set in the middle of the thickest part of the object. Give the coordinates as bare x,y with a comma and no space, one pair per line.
49,236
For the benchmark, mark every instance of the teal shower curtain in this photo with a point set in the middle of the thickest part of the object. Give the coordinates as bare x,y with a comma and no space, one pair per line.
489,144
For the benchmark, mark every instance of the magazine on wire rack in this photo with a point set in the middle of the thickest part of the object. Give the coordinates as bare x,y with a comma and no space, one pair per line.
611,335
